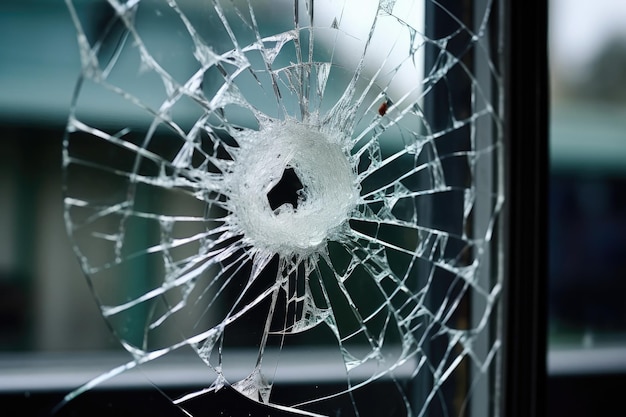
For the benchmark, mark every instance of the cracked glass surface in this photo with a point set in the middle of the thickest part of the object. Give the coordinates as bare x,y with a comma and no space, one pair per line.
291,177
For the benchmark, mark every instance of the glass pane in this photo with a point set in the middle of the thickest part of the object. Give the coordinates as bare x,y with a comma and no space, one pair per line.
295,194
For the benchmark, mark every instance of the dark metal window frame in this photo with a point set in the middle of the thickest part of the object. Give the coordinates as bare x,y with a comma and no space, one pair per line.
526,115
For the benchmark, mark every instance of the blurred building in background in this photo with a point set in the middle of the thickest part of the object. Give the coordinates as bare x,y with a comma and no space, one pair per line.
588,165
587,210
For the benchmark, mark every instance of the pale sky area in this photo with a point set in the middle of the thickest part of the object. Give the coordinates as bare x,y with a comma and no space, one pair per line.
579,28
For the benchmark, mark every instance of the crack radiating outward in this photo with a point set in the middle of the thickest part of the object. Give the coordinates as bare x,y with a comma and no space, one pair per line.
246,190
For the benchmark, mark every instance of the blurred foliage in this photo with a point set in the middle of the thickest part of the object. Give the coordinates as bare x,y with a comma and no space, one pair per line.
605,78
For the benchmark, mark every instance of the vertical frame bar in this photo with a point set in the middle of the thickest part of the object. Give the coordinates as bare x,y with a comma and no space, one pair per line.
526,141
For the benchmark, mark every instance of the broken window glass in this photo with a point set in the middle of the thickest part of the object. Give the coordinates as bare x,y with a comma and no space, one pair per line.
291,183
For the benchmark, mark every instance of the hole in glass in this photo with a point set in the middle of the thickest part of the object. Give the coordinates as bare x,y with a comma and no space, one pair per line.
287,191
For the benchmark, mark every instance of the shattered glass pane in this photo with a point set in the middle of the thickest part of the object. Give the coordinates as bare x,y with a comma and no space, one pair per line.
292,177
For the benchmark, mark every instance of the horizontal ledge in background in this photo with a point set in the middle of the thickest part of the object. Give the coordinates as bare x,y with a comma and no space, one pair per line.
584,361
22,372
